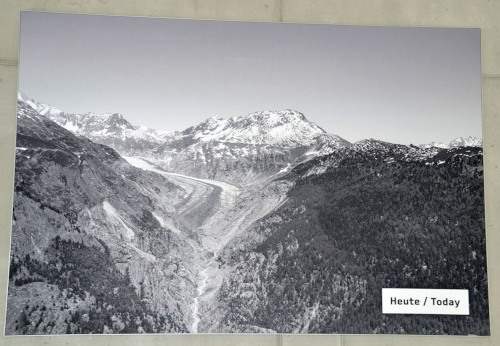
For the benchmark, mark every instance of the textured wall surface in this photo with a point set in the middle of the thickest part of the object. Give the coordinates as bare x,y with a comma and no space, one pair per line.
418,13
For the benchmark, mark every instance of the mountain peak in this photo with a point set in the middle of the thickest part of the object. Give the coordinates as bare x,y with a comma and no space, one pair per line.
40,108
111,129
286,128
371,144
21,96
469,141
215,118
273,118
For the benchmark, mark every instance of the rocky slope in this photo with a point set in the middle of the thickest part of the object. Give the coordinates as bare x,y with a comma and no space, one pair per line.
77,203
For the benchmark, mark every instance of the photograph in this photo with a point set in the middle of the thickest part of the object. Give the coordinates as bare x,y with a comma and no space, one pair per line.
221,177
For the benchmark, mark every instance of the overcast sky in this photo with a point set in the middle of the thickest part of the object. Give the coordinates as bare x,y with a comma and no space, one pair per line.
402,85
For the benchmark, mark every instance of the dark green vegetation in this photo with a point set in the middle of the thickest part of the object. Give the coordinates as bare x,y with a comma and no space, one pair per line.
373,221
82,272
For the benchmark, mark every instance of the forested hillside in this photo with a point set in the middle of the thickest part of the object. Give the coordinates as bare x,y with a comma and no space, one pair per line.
364,223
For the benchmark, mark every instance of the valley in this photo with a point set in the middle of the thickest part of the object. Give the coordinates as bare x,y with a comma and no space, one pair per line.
212,214
204,199
261,223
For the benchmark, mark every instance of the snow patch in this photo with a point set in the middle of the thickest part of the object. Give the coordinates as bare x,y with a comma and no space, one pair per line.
32,104
70,126
284,170
316,171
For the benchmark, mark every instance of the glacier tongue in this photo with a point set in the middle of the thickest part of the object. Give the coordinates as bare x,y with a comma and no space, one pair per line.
226,212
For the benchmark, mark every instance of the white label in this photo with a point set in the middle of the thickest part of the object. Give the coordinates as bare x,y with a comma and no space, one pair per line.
425,301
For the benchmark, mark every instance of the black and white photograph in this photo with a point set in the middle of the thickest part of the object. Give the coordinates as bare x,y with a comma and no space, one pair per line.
201,176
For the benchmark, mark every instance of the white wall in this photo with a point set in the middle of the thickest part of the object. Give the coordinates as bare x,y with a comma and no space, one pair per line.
438,13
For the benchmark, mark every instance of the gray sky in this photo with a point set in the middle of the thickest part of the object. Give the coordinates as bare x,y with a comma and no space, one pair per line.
403,85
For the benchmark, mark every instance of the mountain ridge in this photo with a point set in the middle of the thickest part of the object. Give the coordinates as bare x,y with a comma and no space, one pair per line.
262,124
304,247
469,141
240,149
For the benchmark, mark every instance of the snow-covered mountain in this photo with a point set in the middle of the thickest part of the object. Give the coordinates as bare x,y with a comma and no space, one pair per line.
238,150
110,129
287,128
40,108
469,141
466,142
247,147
